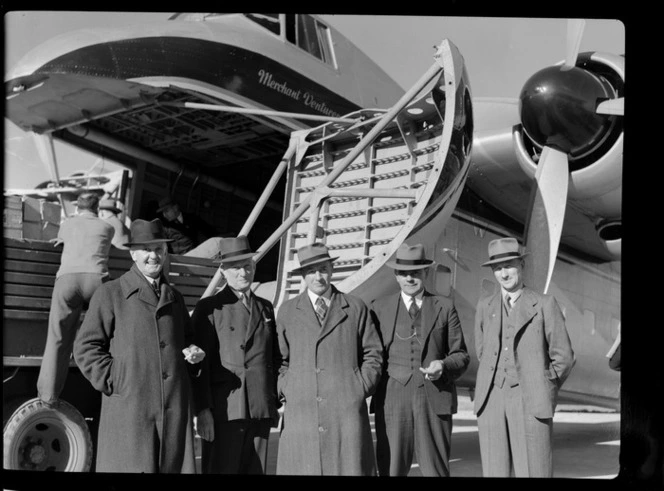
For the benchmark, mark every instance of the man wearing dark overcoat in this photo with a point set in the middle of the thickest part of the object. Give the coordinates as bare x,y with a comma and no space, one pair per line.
425,352
332,358
236,394
525,355
134,347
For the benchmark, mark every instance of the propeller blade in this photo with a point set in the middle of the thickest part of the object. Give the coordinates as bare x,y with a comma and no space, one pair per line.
545,220
574,34
612,107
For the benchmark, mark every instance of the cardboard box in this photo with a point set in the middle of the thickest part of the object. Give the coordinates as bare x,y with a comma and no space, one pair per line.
30,218
32,230
49,231
31,209
12,218
51,212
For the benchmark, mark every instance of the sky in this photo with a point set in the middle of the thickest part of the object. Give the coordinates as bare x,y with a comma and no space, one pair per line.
500,55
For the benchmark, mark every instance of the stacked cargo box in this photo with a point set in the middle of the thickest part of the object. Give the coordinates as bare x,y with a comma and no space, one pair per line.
31,218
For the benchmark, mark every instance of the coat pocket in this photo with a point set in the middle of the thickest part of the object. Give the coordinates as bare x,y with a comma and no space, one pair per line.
358,377
116,377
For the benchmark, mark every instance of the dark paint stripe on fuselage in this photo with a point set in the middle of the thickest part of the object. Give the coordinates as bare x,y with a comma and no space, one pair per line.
251,75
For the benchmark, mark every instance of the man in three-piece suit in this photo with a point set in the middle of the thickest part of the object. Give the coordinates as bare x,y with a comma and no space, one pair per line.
332,358
235,396
424,353
525,355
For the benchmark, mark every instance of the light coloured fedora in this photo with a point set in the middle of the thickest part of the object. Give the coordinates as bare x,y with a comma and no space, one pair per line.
505,249
312,254
410,258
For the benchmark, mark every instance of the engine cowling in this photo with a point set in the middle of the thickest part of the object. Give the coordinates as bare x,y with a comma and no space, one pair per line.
558,109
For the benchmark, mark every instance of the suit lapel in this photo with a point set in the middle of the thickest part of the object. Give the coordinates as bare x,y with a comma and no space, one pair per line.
256,316
527,309
307,310
494,311
430,310
336,314
167,296
390,310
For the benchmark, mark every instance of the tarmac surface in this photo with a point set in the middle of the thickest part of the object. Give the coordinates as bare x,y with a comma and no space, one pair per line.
586,443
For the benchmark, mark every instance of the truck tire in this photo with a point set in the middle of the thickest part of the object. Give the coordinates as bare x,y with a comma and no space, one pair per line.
41,438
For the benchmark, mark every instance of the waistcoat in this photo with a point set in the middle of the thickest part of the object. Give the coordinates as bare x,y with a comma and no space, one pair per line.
405,356
506,369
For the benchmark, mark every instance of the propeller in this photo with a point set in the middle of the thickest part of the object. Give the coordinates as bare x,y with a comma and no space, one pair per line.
574,35
548,199
544,225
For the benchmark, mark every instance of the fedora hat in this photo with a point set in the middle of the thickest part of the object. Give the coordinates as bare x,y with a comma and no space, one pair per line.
410,258
109,204
505,249
232,249
144,232
165,203
311,254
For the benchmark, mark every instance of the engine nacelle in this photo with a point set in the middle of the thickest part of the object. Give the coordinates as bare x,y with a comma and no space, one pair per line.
558,109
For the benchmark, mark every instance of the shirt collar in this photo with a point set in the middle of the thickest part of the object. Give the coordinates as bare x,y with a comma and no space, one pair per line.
514,296
327,296
239,295
150,279
407,299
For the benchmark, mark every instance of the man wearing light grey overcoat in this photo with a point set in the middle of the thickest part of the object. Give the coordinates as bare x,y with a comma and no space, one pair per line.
525,355
332,356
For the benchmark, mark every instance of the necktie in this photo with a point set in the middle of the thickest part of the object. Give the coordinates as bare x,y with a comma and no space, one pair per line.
155,287
245,301
413,309
321,309
508,302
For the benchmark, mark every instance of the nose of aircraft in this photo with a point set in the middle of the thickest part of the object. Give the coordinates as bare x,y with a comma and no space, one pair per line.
557,106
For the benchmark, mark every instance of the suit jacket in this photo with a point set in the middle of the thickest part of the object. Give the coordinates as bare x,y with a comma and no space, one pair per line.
542,349
238,377
327,373
442,340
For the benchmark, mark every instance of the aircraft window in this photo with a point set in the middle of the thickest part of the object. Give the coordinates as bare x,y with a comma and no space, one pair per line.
269,21
314,38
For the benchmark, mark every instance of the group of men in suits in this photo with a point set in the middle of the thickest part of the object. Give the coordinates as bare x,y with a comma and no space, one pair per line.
326,352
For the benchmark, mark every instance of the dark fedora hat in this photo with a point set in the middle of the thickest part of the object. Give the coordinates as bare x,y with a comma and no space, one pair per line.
311,254
109,204
165,203
232,249
410,258
144,232
505,249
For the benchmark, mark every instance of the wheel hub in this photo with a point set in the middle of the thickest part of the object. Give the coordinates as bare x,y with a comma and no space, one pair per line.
35,453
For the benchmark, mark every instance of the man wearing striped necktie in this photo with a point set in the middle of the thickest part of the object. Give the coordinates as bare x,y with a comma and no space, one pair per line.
425,352
332,359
